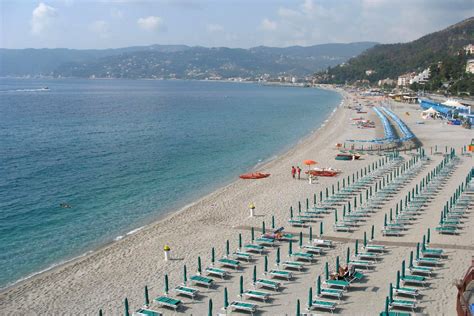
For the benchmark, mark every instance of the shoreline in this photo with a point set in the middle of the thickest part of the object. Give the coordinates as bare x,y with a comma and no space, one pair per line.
156,220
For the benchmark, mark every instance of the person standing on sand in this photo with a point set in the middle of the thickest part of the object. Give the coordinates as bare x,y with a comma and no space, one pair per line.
293,171
299,172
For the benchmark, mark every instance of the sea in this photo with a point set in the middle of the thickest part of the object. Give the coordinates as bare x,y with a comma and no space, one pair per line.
85,162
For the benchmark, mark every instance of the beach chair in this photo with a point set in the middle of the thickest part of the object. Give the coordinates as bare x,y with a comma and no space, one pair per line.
428,261
337,283
435,252
323,242
333,293
356,276
229,263
341,227
361,263
266,283
446,230
408,291
168,302
216,271
391,232
403,304
413,279
146,312
254,248
318,304
265,241
264,296
200,280
368,255
186,290
375,248
296,222
242,256
313,249
275,273
421,270
303,256
243,306
292,265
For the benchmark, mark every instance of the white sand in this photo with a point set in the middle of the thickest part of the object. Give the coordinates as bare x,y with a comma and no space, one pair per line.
103,279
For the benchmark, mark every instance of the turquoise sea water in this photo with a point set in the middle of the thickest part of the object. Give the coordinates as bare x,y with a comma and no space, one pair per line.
122,153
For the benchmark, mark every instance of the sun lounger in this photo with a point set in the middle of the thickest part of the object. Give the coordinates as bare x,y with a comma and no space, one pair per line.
146,312
318,304
243,306
313,249
296,222
335,293
303,256
323,242
421,270
406,291
257,295
292,265
266,283
341,227
390,313
168,302
432,252
200,280
337,283
375,248
446,230
428,261
391,232
361,263
229,263
280,274
216,271
403,304
265,241
368,255
356,276
242,255
413,279
187,291
254,248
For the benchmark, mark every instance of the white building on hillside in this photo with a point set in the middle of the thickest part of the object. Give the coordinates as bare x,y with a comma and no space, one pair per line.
469,49
470,66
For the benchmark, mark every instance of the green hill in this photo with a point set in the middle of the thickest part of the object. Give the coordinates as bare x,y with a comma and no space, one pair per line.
392,60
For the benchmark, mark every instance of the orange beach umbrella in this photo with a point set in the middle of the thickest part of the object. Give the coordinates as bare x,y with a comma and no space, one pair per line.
309,162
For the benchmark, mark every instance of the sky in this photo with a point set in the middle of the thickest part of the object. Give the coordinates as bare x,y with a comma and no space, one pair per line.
101,24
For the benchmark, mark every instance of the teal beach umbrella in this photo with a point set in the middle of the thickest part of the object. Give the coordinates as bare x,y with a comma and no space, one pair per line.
318,286
311,233
365,239
265,266
326,270
310,297
166,284
240,241
372,235
226,299
357,247
227,246
213,255
254,279
337,263
398,280
185,275
101,313
263,228
147,298
277,258
301,239
199,265
348,255
321,229
298,308
273,222
290,248
210,307
127,313
241,286
252,232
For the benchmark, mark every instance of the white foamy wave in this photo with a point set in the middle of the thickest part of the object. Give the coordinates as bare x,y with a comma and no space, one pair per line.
26,90
118,238
135,230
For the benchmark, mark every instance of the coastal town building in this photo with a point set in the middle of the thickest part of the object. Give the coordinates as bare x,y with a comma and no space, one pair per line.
369,72
470,66
422,77
404,80
469,49
386,82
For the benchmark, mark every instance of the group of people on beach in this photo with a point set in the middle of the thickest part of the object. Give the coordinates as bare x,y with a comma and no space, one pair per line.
295,171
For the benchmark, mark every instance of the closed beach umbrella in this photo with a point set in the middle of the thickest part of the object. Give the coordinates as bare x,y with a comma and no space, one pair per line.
240,240
301,239
314,198
320,196
348,255
332,189
299,207
391,215
318,286
326,270
263,227
338,187
337,263
290,248
321,229
417,250
311,233
344,211
166,284
428,236
298,308
213,255
273,222
411,259
365,239
277,258
147,298
227,246
199,265
307,204
335,216
327,193
403,268
423,247
265,266
100,312
386,306
398,279
310,297
241,286
254,279
390,293
385,220
127,313
357,247
185,275
349,206
210,307
252,234
291,211
226,299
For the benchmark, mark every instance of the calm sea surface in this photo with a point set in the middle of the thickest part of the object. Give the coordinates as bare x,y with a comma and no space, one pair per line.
122,153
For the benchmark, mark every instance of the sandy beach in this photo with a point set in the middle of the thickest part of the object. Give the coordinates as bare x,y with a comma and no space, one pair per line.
103,279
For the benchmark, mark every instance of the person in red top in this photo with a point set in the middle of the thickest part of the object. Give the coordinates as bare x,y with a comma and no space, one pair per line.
293,171
299,172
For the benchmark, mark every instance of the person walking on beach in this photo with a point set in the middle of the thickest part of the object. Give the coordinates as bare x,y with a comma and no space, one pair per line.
299,172
293,171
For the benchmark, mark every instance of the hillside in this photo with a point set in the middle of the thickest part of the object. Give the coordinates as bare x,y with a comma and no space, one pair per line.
392,60
177,61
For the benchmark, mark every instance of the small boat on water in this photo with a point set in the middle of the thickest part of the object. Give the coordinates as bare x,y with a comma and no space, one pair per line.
347,156
254,175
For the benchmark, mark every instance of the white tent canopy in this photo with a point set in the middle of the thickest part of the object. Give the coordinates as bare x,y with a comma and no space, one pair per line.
429,111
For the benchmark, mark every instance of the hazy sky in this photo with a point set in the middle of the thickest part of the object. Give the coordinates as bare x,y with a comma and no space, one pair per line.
231,23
